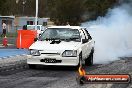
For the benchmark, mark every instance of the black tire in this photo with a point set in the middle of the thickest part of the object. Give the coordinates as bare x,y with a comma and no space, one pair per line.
31,66
89,60
80,58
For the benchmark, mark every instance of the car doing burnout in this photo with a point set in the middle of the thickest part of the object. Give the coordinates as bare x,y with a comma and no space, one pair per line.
62,46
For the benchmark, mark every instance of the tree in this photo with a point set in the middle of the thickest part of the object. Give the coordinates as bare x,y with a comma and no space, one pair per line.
98,7
1,5
67,11
60,11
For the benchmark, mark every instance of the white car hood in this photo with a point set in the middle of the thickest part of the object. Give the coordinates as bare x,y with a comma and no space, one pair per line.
45,45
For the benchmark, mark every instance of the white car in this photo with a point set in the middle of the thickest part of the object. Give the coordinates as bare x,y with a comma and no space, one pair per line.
62,46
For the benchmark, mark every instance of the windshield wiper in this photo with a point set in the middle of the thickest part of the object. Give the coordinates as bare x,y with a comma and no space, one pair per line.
70,39
59,39
52,39
74,38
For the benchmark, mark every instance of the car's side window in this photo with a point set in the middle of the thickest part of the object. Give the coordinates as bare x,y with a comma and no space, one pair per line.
89,37
86,36
82,34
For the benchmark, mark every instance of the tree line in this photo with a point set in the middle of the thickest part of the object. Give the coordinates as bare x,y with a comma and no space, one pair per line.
60,11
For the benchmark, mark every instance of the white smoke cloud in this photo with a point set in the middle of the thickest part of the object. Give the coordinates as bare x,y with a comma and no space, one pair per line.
112,34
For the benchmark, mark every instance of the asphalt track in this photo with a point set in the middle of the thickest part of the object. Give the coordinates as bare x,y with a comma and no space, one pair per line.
20,76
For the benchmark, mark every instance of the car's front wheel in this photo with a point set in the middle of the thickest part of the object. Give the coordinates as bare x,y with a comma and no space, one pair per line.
89,60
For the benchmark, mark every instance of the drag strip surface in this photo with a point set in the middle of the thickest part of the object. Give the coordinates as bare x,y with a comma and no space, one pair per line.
20,76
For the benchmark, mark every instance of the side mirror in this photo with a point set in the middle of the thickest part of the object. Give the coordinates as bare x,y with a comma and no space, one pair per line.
40,35
84,40
35,39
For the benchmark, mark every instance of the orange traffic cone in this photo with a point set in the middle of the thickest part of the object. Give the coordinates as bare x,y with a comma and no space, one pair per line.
5,41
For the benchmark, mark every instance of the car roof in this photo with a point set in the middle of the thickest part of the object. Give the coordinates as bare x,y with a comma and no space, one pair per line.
71,27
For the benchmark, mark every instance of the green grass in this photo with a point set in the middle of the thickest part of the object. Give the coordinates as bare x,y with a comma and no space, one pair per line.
11,34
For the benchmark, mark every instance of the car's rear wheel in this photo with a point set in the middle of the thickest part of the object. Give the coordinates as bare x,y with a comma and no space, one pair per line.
31,66
89,60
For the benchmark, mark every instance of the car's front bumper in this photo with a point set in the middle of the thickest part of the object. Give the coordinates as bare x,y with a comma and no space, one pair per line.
65,61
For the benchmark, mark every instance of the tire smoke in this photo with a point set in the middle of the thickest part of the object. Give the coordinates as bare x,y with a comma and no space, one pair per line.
112,34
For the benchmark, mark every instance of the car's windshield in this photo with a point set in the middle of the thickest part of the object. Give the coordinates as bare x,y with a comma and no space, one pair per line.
65,34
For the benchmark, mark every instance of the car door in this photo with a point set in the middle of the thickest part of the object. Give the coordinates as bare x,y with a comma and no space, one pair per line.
84,45
89,44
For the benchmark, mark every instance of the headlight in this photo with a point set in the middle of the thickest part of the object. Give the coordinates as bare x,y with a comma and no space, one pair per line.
35,52
69,53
